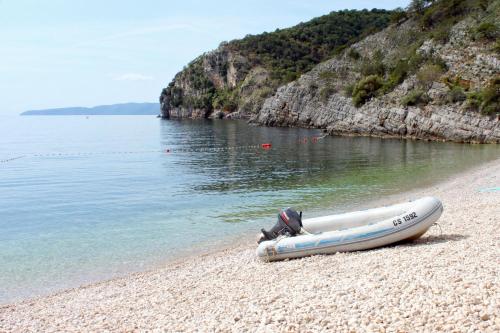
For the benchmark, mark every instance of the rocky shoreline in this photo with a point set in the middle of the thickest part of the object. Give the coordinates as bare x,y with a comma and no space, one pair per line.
379,119
304,103
405,81
447,280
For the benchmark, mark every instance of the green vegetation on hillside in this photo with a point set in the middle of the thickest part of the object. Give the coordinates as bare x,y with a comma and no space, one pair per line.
486,100
435,19
285,54
290,52
242,73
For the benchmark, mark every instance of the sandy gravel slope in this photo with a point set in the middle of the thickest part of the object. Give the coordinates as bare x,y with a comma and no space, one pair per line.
447,282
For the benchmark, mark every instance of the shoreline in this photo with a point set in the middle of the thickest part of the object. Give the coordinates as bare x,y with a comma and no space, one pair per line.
251,122
234,241
226,289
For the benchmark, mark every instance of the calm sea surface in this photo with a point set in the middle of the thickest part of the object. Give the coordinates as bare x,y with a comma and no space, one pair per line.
97,197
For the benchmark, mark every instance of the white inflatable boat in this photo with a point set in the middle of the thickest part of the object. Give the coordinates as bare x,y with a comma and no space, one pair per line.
355,231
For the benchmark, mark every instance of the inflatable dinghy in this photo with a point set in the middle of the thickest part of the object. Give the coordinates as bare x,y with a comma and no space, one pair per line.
293,238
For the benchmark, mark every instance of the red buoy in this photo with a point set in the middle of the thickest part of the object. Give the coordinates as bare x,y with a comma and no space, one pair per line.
266,146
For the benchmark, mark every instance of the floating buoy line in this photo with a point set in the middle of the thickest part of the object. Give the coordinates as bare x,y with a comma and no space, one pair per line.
11,159
167,151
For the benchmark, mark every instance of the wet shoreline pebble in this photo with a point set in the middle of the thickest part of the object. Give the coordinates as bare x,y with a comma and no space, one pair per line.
445,281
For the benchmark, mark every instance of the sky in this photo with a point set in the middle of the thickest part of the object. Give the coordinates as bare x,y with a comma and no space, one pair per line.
61,53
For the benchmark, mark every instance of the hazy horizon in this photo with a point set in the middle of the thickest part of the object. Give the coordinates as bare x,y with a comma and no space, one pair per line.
85,53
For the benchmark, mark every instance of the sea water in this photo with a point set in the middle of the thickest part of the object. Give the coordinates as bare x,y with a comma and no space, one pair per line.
91,198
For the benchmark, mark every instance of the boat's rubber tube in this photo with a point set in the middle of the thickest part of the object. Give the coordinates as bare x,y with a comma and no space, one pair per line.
356,231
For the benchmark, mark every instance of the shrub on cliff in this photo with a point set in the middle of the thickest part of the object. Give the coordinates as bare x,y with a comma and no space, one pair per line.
415,97
202,102
397,75
496,47
326,92
487,100
411,64
428,74
328,75
441,34
435,13
373,65
172,95
456,94
292,51
417,6
225,100
366,89
487,31
265,92
348,89
398,15
353,54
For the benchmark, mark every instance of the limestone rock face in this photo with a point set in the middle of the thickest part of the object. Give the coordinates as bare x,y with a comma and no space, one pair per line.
291,107
224,67
321,98
181,112
218,69
317,98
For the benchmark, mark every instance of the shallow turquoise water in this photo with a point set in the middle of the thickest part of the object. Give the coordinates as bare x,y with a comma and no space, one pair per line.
97,197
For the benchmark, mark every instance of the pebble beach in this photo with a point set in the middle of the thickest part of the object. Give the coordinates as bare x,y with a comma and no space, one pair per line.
448,280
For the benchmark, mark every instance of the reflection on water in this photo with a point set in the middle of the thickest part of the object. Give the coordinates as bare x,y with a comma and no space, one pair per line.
76,218
313,175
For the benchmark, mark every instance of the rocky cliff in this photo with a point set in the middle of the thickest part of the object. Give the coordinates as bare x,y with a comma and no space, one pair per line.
403,82
433,73
234,80
191,92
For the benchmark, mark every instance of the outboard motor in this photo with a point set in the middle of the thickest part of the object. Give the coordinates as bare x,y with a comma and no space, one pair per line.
289,223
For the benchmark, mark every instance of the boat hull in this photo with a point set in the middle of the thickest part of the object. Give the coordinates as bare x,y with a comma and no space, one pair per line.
356,231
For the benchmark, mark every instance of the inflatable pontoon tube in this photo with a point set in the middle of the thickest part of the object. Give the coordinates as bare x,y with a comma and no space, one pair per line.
356,231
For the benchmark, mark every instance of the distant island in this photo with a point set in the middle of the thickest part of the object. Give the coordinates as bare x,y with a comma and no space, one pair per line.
100,110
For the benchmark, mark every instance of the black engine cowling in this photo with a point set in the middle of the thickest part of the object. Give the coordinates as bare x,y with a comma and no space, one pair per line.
289,223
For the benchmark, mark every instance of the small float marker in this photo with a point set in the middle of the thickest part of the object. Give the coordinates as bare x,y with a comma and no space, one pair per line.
168,151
